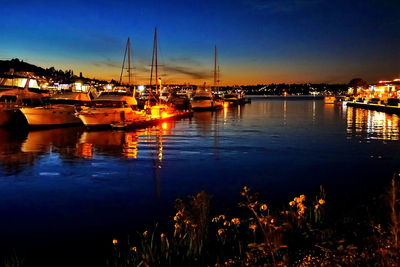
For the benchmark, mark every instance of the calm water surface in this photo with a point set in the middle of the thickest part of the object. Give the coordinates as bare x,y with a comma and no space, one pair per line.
63,191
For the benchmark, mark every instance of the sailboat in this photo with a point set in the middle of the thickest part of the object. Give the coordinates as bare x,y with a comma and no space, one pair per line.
118,107
159,110
218,100
203,98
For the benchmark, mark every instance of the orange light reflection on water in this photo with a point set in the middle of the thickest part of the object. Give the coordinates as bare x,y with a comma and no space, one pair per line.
376,125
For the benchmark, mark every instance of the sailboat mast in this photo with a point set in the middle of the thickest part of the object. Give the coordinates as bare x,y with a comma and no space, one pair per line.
216,69
156,57
218,80
123,62
129,61
154,62
215,66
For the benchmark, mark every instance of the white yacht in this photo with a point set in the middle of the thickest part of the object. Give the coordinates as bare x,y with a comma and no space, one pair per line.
202,99
111,108
60,110
17,91
236,95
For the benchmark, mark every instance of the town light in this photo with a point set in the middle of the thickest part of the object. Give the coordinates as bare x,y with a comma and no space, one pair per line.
141,88
78,86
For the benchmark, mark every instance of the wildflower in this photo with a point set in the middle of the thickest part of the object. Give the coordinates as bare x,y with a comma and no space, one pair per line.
115,241
321,202
264,207
252,205
292,203
134,249
221,232
272,220
301,210
177,226
179,213
316,206
227,223
235,221
302,198
221,217
253,227
263,221
176,218
186,221
145,233
246,189
301,206
162,235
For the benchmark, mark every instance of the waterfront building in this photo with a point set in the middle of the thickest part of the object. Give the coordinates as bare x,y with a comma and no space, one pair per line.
383,90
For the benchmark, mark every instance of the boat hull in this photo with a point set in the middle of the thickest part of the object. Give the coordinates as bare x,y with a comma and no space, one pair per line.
202,104
108,116
49,116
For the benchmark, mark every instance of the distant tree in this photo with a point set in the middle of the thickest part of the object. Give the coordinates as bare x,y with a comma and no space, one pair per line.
358,83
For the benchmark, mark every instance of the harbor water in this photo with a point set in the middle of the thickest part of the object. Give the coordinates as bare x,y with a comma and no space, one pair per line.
65,193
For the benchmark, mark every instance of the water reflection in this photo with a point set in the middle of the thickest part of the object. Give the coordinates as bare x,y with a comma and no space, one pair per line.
61,141
371,124
12,159
18,149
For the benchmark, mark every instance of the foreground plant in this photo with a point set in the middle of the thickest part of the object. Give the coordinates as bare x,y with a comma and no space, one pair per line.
259,236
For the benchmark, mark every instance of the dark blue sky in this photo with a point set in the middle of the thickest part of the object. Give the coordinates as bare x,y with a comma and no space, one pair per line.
259,41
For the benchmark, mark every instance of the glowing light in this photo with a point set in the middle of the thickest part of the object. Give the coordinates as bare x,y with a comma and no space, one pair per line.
141,88
108,86
226,104
78,86
164,126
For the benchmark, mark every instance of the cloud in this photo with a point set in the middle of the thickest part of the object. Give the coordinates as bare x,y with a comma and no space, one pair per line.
282,6
186,60
197,75
107,63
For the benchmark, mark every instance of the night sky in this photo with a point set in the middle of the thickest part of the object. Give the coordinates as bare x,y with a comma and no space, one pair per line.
259,41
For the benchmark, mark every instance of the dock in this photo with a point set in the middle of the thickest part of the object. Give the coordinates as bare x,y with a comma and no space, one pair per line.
376,107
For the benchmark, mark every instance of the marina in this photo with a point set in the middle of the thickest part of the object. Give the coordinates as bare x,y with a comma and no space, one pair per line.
126,179
199,133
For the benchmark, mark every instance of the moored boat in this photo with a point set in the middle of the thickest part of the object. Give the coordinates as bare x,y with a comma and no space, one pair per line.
235,96
202,99
111,108
17,91
60,110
